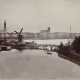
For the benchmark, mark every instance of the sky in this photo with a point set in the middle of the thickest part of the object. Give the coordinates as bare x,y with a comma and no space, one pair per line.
35,15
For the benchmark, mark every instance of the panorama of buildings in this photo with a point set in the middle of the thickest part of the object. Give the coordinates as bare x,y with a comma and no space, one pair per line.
43,34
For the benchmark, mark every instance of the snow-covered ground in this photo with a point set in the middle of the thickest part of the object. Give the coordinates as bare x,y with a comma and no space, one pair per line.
36,65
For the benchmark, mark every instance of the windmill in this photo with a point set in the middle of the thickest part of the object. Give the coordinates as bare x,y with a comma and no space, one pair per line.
20,44
19,35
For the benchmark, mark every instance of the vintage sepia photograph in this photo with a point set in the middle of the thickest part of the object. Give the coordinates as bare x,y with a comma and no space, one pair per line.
39,39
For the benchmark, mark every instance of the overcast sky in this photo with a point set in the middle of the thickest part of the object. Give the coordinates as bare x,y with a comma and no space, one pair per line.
35,15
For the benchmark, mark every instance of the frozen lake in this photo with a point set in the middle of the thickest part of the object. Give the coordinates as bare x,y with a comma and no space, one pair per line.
36,65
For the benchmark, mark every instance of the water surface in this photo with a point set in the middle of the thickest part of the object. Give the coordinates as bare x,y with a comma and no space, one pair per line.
36,65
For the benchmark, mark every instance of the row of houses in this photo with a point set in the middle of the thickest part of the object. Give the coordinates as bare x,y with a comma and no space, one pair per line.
43,34
46,34
55,35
